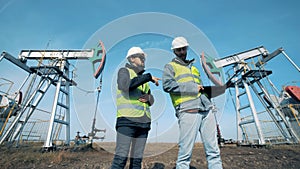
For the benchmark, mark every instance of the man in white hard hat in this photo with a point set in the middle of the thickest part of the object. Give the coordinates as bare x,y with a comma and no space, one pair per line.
193,108
133,113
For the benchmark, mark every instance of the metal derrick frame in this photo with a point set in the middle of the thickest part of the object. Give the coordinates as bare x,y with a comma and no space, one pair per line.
57,74
246,78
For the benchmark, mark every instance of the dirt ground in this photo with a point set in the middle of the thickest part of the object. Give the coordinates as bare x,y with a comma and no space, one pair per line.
83,157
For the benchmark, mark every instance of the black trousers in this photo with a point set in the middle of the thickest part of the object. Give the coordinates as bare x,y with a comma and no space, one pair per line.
133,139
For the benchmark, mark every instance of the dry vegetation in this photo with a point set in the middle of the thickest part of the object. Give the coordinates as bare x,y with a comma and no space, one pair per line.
31,156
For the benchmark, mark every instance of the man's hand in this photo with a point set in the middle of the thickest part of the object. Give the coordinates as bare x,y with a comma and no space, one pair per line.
155,80
200,88
144,98
147,98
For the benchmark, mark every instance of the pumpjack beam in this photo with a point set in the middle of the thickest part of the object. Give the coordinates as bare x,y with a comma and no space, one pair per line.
268,57
96,55
61,54
15,61
242,56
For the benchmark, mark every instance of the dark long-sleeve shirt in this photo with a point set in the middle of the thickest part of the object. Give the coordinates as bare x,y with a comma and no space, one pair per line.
127,85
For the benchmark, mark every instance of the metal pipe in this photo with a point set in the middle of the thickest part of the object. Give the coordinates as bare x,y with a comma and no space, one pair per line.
292,62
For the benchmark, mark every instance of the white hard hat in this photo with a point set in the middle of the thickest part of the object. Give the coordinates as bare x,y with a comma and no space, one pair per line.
135,50
179,42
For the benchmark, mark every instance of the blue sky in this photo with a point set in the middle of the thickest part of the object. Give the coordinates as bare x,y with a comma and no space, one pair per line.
231,26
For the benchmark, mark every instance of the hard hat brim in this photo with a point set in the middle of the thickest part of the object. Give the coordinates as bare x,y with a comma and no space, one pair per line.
172,48
145,55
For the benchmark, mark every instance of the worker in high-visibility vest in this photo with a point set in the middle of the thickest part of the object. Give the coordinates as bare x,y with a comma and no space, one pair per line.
193,108
133,114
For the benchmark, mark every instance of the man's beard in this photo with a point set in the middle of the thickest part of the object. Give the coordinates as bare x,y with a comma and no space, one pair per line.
182,56
141,67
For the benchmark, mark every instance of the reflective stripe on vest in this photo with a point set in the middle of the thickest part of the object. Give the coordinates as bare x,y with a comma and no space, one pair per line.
131,106
184,74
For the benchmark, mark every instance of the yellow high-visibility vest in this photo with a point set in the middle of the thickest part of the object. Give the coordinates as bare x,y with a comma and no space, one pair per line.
130,106
184,74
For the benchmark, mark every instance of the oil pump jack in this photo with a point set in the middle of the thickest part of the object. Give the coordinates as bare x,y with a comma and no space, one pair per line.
279,120
52,69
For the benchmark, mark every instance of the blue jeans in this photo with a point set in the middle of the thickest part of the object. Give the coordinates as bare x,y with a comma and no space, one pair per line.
134,137
189,125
